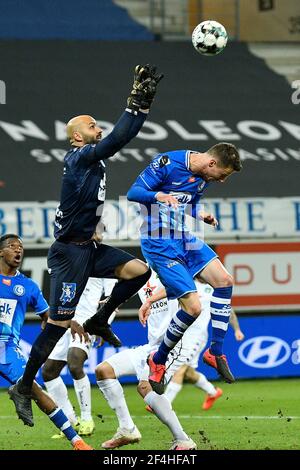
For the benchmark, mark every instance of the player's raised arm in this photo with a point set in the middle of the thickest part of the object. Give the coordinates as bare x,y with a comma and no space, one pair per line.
83,131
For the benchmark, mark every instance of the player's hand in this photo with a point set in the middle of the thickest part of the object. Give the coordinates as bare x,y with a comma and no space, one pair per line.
136,97
141,73
167,199
208,218
140,80
77,328
151,86
144,87
239,335
144,312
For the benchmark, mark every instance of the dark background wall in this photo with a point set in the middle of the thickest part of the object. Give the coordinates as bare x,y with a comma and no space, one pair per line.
48,82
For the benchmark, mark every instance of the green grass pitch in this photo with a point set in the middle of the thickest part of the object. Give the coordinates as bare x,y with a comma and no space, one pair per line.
257,414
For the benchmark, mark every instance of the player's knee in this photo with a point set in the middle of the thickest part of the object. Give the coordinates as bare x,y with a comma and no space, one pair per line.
226,280
191,304
76,370
143,271
144,388
144,268
193,309
180,374
36,390
48,373
191,375
104,371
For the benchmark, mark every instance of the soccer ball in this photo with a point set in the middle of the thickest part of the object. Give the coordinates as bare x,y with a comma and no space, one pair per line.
209,38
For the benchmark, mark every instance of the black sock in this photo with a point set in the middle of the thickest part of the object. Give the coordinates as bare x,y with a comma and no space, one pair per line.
41,348
122,291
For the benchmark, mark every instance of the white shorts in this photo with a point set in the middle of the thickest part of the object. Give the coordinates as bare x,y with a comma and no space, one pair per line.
60,352
89,300
134,361
131,362
187,351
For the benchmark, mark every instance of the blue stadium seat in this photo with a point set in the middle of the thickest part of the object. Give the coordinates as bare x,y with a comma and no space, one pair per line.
68,19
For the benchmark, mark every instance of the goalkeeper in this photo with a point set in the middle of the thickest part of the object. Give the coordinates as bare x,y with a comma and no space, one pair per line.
75,255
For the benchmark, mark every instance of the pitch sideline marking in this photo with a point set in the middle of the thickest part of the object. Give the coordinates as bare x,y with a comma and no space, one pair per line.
192,417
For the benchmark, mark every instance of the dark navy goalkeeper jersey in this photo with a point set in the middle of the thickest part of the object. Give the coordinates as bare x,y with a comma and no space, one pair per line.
84,181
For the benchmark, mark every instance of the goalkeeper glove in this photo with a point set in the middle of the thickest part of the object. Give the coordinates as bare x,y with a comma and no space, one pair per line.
151,86
144,88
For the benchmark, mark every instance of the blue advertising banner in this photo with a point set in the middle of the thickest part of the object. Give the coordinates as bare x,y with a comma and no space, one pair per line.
271,348
131,332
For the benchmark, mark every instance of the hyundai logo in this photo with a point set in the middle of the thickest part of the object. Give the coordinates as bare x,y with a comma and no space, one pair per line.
264,352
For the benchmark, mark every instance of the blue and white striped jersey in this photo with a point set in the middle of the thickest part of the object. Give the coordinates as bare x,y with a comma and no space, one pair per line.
169,173
16,294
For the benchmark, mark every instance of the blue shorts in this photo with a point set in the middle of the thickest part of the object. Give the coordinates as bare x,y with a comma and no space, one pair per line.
70,265
12,362
177,261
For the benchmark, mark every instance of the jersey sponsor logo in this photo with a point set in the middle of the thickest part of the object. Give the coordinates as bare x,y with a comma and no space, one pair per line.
173,263
102,189
182,198
7,310
149,289
68,292
7,282
154,166
19,290
160,304
65,311
160,163
177,183
163,161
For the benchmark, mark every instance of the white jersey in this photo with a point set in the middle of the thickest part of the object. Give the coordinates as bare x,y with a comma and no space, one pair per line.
163,310
89,300
187,351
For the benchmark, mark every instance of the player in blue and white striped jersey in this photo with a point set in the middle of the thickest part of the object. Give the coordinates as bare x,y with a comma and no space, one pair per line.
17,292
168,189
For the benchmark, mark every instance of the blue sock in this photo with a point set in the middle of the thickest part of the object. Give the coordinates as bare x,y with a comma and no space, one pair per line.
60,420
220,310
179,323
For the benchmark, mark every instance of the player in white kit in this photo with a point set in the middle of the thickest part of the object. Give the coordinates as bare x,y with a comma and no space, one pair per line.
193,343
134,362
74,353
